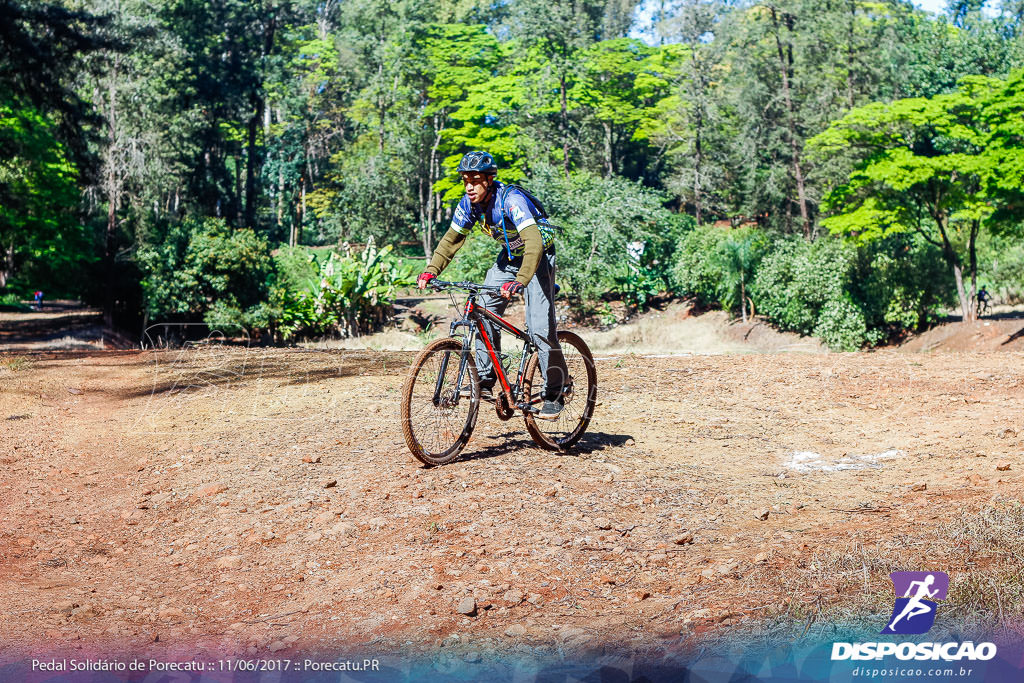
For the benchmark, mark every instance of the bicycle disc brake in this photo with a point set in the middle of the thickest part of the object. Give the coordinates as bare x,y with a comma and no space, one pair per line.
503,408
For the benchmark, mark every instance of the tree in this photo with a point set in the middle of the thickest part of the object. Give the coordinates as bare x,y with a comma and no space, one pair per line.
46,132
737,258
936,166
557,31
620,84
457,58
692,115
38,196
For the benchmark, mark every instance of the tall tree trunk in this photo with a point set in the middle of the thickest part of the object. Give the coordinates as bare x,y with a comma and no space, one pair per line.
564,125
609,168
113,182
849,52
961,293
949,253
7,265
250,161
794,143
698,128
301,222
380,110
427,194
698,168
743,297
972,252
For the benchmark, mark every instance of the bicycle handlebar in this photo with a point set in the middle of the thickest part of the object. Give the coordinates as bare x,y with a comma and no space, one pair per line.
469,286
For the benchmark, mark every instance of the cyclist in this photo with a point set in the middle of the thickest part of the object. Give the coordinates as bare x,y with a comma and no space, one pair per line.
983,298
526,263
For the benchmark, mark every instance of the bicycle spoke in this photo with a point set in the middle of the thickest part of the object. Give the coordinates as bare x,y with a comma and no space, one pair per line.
574,417
436,431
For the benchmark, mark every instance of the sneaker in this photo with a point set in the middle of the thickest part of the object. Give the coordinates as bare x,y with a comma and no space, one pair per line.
549,411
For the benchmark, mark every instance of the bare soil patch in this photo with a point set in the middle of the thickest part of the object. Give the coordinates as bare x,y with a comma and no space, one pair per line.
988,334
256,501
59,325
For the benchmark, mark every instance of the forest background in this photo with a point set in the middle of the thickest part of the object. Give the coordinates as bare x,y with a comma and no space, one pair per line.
850,169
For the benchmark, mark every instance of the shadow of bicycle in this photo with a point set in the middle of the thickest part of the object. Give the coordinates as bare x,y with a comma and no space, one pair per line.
509,442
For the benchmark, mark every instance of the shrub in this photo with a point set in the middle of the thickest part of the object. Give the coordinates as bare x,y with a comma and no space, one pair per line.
352,293
204,270
12,302
902,283
796,279
1001,267
295,268
599,219
477,254
852,296
696,272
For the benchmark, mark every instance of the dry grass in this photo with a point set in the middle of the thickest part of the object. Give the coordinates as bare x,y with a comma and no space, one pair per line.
847,590
16,363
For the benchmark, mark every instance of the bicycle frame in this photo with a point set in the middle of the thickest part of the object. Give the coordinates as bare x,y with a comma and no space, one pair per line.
473,317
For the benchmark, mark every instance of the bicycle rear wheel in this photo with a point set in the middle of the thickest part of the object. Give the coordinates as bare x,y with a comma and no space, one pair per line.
437,420
579,396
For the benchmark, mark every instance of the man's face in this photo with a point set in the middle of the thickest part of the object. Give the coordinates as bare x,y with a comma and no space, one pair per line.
477,185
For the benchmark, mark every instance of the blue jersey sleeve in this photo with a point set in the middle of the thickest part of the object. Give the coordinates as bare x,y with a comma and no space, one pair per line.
520,210
464,217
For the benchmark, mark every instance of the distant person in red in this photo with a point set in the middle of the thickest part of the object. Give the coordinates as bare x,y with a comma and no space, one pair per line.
39,299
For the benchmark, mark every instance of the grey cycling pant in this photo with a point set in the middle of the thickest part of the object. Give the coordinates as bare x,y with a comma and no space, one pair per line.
540,322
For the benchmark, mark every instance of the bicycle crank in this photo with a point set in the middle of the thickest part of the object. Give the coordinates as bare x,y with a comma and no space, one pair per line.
503,408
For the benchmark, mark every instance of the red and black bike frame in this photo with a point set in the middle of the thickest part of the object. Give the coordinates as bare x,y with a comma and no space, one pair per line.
473,317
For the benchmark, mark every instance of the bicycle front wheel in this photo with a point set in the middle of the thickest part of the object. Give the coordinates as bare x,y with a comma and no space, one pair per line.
438,415
579,396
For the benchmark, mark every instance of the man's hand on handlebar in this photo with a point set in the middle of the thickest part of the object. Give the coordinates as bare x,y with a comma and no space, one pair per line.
510,289
424,279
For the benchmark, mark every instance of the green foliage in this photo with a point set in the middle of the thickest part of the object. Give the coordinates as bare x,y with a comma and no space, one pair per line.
353,293
40,229
902,283
296,268
316,123
851,296
737,258
12,302
206,270
695,273
797,279
599,218
935,166
1001,267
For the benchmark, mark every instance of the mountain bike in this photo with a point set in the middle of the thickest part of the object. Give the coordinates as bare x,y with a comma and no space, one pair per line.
441,395
983,307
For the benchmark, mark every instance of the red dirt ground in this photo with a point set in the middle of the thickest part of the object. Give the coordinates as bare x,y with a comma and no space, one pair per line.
252,501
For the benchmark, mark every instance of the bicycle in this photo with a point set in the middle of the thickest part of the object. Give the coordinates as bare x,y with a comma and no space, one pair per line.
982,303
438,417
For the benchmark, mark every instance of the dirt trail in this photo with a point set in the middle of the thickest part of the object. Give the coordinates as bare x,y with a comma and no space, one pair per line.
257,501
60,325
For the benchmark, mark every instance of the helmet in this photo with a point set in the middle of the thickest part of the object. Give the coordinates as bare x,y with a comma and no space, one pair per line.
477,162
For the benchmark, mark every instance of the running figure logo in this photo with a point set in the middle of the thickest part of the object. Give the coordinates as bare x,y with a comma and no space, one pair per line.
916,593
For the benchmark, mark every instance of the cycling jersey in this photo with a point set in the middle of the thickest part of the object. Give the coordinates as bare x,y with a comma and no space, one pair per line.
518,209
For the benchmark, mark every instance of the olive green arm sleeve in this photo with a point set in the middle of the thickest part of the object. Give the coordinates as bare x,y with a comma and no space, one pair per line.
445,251
533,249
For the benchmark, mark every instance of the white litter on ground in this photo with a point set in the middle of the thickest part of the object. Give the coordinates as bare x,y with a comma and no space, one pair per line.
809,461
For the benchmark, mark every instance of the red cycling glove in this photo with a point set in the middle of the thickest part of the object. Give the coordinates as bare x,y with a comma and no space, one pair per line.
424,279
510,289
